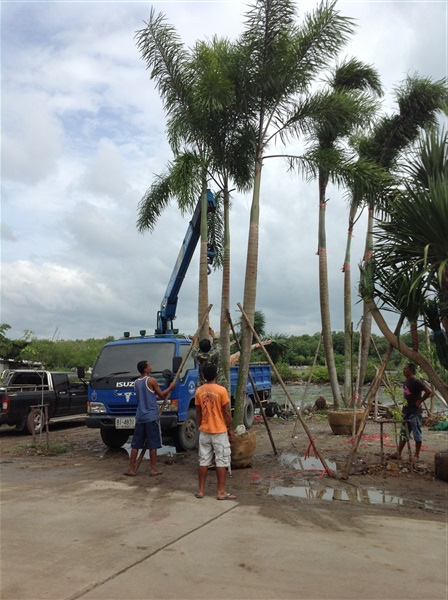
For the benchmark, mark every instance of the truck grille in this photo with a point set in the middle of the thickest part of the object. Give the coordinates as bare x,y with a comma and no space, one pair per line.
122,409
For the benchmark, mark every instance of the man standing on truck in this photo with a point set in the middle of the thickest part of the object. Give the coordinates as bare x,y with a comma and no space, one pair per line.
147,423
206,352
215,425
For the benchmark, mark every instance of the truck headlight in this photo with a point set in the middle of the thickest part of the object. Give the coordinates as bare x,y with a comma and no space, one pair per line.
96,407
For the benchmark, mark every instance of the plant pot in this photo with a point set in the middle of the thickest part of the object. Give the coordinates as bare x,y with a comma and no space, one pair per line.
441,465
341,421
243,450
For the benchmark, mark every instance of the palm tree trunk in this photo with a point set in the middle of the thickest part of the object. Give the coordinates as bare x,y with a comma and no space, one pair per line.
250,293
366,325
324,295
203,264
225,293
348,326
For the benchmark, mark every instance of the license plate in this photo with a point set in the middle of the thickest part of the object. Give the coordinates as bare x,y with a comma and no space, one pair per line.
124,422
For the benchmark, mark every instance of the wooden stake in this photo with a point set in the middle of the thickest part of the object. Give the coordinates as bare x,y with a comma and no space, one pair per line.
329,471
257,398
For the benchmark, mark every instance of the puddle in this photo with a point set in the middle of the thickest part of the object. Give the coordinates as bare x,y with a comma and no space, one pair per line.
350,494
163,451
355,494
297,463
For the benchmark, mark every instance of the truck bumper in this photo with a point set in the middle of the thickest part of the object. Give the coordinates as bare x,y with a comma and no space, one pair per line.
100,421
108,422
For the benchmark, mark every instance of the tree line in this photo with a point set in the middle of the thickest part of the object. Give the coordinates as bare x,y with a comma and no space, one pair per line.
293,355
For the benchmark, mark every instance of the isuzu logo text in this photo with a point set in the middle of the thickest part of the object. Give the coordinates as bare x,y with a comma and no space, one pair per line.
121,384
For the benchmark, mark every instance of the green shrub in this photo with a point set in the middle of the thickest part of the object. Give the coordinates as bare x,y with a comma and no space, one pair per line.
320,375
285,372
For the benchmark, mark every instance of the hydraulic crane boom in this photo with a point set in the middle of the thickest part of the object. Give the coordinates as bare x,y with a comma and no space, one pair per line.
167,312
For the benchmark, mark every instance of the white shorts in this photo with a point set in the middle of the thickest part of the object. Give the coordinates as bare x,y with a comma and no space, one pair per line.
214,444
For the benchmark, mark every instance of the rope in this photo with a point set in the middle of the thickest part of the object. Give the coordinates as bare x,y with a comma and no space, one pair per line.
308,450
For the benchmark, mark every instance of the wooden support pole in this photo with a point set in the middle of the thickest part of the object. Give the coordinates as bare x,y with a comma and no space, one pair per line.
329,471
252,382
176,377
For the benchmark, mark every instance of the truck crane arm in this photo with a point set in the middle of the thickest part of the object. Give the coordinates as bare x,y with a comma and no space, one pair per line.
167,312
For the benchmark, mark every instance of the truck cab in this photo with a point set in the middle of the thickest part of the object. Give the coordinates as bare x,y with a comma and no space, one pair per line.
112,401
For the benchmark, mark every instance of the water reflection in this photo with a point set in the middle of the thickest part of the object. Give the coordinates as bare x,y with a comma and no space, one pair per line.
311,463
350,494
167,451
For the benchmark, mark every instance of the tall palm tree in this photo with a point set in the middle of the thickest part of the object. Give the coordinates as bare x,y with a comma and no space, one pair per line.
230,140
198,102
171,68
419,100
279,62
347,105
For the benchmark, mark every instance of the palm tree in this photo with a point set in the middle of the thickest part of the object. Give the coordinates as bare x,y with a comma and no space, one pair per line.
230,141
201,126
171,68
419,99
345,107
279,62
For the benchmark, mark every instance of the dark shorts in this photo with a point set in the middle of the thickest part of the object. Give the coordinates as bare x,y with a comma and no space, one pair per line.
147,432
414,428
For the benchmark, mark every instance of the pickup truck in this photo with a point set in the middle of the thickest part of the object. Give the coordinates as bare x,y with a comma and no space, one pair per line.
21,389
112,402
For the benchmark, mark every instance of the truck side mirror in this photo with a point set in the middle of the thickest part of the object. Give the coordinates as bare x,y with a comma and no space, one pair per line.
177,361
81,372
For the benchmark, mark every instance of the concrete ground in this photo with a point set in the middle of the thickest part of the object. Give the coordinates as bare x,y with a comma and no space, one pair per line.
69,532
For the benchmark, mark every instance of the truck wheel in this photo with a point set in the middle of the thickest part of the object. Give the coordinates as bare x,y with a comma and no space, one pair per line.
114,438
186,435
249,412
34,424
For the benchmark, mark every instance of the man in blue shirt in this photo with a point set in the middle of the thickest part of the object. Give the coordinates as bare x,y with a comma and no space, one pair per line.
147,423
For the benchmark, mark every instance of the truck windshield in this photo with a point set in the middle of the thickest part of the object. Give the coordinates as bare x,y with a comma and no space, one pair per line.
123,358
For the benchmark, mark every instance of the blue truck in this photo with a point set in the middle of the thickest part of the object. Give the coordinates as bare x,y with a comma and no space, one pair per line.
112,403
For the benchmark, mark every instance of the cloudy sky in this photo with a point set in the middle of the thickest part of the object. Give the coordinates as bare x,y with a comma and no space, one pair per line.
83,136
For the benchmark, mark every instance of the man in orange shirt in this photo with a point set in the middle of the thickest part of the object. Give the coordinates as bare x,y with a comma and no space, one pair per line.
215,425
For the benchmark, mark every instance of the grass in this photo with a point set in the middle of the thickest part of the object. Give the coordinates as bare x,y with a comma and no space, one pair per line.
42,449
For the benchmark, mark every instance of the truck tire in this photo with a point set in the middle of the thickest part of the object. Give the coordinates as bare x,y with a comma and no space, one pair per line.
186,435
34,424
114,438
249,413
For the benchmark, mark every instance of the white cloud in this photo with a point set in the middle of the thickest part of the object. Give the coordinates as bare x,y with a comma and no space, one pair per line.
32,138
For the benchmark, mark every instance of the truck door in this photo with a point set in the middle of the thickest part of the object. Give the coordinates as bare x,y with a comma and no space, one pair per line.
63,398
78,398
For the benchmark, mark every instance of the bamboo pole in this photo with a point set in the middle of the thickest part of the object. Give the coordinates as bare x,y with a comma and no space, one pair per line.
252,382
176,377
329,471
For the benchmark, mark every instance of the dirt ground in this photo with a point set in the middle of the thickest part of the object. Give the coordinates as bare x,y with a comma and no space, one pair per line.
288,476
